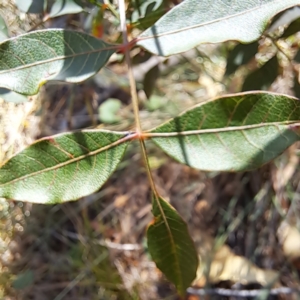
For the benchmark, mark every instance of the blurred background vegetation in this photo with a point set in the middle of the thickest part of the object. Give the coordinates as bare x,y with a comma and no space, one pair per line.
245,225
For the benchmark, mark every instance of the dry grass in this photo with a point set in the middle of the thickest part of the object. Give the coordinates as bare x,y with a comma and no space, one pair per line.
95,248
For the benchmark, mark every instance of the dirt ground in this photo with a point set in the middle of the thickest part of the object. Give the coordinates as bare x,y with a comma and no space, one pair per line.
244,224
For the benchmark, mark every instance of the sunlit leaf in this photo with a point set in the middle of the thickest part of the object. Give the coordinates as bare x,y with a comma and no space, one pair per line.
108,110
240,55
284,18
97,21
232,133
3,29
170,245
27,61
221,264
148,13
64,7
10,96
155,102
63,167
262,78
31,6
193,22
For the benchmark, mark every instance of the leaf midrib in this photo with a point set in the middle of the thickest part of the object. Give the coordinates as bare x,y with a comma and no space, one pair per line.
57,58
128,137
171,239
150,134
207,23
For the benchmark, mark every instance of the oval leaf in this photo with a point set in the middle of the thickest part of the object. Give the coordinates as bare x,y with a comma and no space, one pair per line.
148,12
240,55
31,6
233,133
28,60
262,78
293,28
3,30
9,96
171,246
108,110
63,167
64,7
193,22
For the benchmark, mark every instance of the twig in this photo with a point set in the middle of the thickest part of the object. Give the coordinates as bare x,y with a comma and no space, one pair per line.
242,293
135,101
275,43
106,243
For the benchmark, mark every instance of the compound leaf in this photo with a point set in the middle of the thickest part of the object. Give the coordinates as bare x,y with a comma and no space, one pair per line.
171,246
29,60
232,133
63,167
193,22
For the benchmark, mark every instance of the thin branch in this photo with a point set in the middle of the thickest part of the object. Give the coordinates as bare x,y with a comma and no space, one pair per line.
242,293
135,104
279,49
148,170
135,101
106,243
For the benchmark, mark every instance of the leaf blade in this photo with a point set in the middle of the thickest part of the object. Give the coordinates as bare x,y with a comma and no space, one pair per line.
181,262
64,7
3,30
64,167
202,21
232,133
28,60
240,55
262,78
31,6
10,96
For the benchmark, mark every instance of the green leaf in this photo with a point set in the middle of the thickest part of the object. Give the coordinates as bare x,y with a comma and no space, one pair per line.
10,96
23,280
262,78
296,86
232,133
28,61
171,246
193,22
63,167
150,79
3,30
155,102
108,110
148,13
297,57
64,7
240,55
31,6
